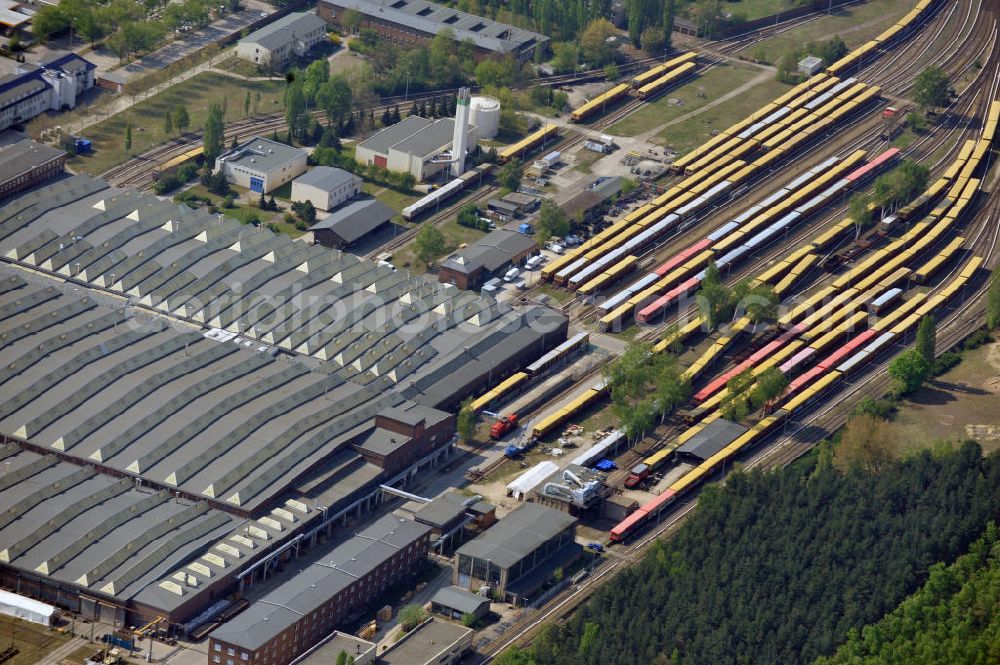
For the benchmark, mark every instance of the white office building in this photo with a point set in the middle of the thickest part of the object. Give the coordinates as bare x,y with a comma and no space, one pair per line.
326,187
275,45
262,165
50,86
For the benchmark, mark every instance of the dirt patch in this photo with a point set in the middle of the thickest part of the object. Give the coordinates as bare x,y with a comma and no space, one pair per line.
960,404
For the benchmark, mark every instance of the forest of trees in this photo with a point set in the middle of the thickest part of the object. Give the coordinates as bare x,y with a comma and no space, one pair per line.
779,567
952,619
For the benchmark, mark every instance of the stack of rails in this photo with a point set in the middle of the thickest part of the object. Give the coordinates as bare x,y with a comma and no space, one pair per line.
506,387
601,449
901,28
712,176
527,144
846,359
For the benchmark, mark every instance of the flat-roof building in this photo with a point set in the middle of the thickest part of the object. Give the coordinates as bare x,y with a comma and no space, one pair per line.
417,21
328,651
345,226
26,164
326,187
519,545
413,145
275,45
296,614
433,642
262,165
490,256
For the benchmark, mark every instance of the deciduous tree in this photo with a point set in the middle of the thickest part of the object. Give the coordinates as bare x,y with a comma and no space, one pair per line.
429,244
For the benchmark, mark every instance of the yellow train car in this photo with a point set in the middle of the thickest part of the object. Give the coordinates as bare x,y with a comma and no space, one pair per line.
600,103
527,144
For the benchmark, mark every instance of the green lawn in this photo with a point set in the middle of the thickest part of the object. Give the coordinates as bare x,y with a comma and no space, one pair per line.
454,235
245,213
32,641
692,95
856,25
755,9
697,129
557,294
392,198
146,117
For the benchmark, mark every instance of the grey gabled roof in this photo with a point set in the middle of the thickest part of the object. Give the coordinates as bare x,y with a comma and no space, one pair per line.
357,218
331,571
284,29
326,178
442,509
429,140
517,535
490,251
459,599
717,435
393,134
430,18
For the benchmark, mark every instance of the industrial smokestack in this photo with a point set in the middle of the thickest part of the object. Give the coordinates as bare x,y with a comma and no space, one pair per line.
458,141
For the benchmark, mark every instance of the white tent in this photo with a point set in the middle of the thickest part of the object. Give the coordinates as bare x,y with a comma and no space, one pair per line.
34,611
530,479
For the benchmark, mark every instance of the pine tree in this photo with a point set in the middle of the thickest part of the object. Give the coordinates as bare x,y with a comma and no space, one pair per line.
386,117
234,143
395,114
128,138
413,110
246,104
168,123
434,108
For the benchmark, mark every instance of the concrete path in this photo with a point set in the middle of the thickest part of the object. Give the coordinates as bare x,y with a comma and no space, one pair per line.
126,101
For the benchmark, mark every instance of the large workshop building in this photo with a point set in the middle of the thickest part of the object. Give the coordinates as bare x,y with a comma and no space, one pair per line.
185,403
417,21
517,555
414,145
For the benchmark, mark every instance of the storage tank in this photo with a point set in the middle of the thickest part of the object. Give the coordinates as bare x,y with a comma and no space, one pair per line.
485,115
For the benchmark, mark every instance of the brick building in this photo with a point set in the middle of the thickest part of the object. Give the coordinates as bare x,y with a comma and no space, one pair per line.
26,164
301,611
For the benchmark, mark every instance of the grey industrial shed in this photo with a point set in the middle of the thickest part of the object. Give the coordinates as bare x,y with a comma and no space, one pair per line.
345,226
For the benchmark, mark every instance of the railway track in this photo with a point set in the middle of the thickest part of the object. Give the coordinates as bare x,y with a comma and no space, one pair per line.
963,318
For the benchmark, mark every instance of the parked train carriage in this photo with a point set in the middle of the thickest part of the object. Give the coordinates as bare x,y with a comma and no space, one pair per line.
656,87
528,143
600,103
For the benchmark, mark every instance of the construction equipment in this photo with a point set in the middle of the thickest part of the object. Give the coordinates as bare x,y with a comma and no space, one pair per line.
503,425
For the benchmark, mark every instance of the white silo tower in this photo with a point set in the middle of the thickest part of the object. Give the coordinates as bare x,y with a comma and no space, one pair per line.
459,139
485,115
